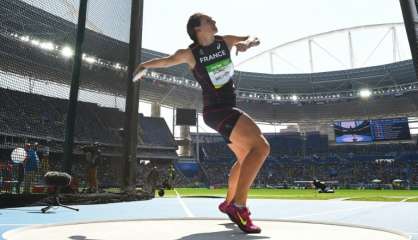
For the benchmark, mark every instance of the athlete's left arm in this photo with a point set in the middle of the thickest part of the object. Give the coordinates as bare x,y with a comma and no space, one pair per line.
241,43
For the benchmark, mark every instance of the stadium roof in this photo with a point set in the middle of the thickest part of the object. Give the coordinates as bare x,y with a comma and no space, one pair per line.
20,56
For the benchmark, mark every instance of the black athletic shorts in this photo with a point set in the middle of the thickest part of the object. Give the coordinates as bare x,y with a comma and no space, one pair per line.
222,119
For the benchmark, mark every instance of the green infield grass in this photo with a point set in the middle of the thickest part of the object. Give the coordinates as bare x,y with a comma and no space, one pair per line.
305,194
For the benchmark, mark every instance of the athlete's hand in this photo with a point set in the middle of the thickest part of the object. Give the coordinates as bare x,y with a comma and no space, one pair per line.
139,73
255,42
241,47
244,45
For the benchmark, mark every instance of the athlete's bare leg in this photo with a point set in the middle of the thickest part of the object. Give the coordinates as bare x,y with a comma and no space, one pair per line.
247,135
234,173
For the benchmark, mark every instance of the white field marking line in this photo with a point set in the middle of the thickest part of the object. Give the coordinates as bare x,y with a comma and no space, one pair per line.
406,199
183,204
336,211
338,199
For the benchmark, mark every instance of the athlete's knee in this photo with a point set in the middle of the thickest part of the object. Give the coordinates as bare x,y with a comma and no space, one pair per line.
237,164
262,146
266,147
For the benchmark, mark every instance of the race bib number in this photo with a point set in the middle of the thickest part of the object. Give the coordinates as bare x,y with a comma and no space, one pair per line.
220,72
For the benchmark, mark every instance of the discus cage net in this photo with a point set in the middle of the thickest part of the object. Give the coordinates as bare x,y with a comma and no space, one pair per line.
37,47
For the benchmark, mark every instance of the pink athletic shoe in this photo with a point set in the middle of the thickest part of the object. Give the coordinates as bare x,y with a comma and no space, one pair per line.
242,219
223,207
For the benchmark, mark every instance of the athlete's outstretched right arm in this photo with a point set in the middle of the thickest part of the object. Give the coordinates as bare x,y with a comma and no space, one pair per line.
179,57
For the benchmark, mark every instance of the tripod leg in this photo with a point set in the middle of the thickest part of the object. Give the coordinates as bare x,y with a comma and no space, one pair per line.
56,202
62,205
45,209
75,209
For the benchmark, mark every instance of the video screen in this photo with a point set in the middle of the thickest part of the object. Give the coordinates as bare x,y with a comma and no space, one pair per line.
390,129
372,130
352,131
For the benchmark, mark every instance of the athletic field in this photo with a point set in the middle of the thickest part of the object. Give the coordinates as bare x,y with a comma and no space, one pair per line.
301,194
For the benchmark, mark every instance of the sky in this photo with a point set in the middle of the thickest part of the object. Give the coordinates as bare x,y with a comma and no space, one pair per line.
273,21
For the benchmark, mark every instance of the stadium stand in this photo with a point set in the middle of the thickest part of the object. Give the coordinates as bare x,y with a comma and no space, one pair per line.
294,158
35,118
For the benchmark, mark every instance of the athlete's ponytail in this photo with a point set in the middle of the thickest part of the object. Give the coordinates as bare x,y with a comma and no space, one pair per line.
194,21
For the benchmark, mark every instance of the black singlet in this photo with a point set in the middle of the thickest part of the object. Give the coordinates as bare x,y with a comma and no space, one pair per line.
214,71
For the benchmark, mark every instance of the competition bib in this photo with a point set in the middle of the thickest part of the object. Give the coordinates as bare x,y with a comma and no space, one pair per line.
220,72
